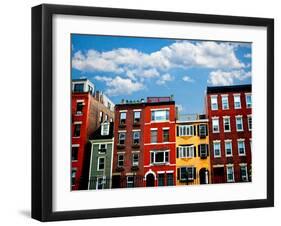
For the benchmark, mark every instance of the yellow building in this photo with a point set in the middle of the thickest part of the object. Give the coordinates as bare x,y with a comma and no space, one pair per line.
193,154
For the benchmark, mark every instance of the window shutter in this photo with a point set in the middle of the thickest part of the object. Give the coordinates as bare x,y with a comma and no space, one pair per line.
177,130
194,148
177,152
198,130
194,172
206,127
199,150
194,130
178,173
207,148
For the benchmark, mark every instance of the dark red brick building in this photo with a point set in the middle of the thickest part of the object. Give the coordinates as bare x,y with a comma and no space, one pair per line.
88,109
229,110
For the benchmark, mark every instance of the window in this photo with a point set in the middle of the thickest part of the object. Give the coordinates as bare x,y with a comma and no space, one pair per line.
79,87
217,149
203,150
102,148
244,173
230,173
186,130
228,147
73,175
224,102
101,163
136,137
79,108
120,160
101,116
237,101
214,103
226,124
165,135
161,179
105,129
239,123
136,116
215,123
153,136
130,181
249,122
100,183
202,130
160,115
122,137
241,147
187,173
249,100
170,179
77,128
74,153
135,159
186,151
106,117
159,157
123,118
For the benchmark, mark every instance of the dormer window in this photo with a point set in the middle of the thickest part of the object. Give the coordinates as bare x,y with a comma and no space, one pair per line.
105,129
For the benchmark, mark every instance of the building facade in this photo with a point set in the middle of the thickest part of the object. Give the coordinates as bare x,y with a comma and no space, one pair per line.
101,157
192,145
128,167
229,110
159,142
87,113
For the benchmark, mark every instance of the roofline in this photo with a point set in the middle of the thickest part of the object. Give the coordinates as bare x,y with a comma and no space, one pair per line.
234,88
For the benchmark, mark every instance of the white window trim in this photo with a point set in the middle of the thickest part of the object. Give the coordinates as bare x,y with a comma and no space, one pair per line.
249,116
228,141
159,163
118,154
236,117
248,94
77,122
224,96
245,165
228,166
216,142
237,95
212,97
121,111
160,109
135,153
98,169
186,134
215,118
226,117
102,128
241,140
103,182
183,150
137,110
100,147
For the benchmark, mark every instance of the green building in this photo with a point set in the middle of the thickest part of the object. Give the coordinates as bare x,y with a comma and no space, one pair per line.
101,157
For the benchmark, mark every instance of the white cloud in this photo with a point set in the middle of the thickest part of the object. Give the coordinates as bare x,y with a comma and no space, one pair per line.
118,85
225,78
186,78
248,55
164,78
182,54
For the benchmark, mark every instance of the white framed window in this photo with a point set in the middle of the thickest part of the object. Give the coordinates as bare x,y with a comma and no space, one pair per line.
160,115
186,173
153,136
237,101
130,181
244,172
122,137
101,163
226,124
137,116
186,130
250,122
230,173
120,160
214,102
166,135
79,107
248,97
159,157
136,137
123,118
105,129
135,159
215,125
228,148
224,102
202,130
102,148
239,123
241,147
203,150
73,175
186,151
217,149
100,182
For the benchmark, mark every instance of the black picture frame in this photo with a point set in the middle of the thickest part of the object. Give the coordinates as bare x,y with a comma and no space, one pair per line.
42,111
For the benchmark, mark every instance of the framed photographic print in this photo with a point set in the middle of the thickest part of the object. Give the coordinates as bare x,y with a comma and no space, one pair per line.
145,112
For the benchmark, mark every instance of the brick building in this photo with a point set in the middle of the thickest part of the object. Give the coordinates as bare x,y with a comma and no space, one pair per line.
88,111
229,110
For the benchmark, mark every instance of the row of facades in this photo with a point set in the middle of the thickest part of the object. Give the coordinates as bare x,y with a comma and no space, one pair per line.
148,143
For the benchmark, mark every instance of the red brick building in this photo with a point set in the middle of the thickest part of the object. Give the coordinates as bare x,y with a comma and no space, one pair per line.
229,110
159,142
88,110
128,145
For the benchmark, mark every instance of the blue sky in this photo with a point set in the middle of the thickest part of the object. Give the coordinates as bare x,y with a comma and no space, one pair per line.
134,68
